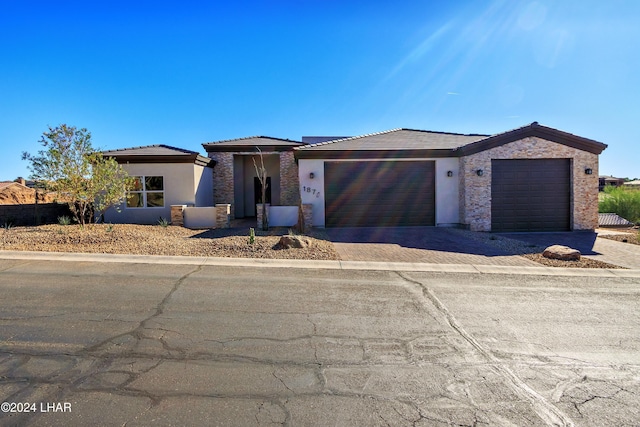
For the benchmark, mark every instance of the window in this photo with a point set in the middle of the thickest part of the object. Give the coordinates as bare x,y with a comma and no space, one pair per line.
147,192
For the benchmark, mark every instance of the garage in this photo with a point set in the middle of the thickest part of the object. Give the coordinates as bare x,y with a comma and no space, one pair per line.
379,193
530,195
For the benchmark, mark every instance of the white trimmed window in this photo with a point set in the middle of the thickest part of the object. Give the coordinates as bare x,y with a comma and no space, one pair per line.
147,192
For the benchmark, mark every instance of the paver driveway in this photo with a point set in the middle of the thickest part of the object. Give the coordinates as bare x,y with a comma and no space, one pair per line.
588,243
418,244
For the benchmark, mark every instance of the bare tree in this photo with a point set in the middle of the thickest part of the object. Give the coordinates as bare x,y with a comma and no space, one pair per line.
262,177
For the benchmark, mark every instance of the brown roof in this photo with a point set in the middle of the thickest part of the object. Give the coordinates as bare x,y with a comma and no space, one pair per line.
249,143
537,130
416,143
158,154
398,139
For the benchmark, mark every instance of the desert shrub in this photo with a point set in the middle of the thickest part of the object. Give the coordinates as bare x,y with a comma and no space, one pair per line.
252,236
622,201
64,220
163,222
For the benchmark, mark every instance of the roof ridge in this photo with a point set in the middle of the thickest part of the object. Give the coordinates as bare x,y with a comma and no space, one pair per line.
250,137
445,133
183,150
317,144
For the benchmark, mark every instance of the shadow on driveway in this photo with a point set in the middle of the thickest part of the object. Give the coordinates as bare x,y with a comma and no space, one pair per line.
583,241
427,238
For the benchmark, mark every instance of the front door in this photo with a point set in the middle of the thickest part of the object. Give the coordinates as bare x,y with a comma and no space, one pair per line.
257,190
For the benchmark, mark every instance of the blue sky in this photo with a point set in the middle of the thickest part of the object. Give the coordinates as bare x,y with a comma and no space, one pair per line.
184,73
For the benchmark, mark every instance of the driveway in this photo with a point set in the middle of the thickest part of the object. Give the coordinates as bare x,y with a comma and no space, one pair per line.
435,245
588,243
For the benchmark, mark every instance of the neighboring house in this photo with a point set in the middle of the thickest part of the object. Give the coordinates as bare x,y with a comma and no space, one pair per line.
165,176
533,178
633,184
604,180
235,178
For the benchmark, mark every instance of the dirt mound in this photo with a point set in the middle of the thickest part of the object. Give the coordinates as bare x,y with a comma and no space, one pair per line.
21,195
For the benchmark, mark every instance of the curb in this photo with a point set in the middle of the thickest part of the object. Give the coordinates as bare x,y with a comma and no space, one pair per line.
311,264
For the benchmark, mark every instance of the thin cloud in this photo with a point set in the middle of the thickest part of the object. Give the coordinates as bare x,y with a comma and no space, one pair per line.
420,50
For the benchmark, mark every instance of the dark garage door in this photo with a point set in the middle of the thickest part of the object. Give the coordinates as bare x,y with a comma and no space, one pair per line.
530,195
376,194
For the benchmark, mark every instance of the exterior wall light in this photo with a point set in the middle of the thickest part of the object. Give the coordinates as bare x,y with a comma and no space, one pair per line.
449,173
311,175
588,171
479,172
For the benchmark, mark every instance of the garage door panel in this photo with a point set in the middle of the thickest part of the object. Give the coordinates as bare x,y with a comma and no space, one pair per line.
390,193
530,195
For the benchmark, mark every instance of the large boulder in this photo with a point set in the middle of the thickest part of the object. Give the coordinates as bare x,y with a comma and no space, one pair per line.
563,253
288,241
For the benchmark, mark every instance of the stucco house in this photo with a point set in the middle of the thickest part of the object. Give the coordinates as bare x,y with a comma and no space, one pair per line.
533,178
235,177
164,176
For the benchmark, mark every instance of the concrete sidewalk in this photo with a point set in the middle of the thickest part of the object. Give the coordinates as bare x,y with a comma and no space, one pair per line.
310,264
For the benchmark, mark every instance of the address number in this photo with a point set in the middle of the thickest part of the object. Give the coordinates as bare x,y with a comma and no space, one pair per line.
310,190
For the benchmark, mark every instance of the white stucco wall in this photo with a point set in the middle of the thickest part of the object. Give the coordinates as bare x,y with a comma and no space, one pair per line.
200,217
312,190
203,184
447,198
178,190
447,193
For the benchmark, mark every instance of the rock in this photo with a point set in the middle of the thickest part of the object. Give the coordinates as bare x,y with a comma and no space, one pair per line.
563,253
289,241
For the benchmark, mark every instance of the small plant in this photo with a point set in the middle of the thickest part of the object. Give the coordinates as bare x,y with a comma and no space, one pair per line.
622,201
8,225
64,220
109,228
252,236
163,222
292,232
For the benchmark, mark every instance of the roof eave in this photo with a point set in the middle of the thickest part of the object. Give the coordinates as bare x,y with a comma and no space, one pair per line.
535,130
375,154
195,158
224,148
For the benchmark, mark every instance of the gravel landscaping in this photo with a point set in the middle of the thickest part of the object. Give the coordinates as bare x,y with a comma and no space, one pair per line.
158,240
632,235
532,252
231,243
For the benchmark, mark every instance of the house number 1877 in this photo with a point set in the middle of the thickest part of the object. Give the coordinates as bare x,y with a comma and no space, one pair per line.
311,190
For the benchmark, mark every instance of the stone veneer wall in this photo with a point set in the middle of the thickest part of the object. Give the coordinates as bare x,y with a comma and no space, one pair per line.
223,191
289,181
223,179
475,191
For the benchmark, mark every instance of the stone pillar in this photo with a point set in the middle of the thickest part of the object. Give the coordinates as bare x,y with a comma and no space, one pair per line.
177,215
223,182
307,213
223,215
289,180
259,214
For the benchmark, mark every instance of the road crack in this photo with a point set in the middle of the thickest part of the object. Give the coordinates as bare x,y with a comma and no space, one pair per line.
138,333
545,410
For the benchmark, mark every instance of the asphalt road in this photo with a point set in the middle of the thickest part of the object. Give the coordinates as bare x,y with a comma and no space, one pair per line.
140,344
